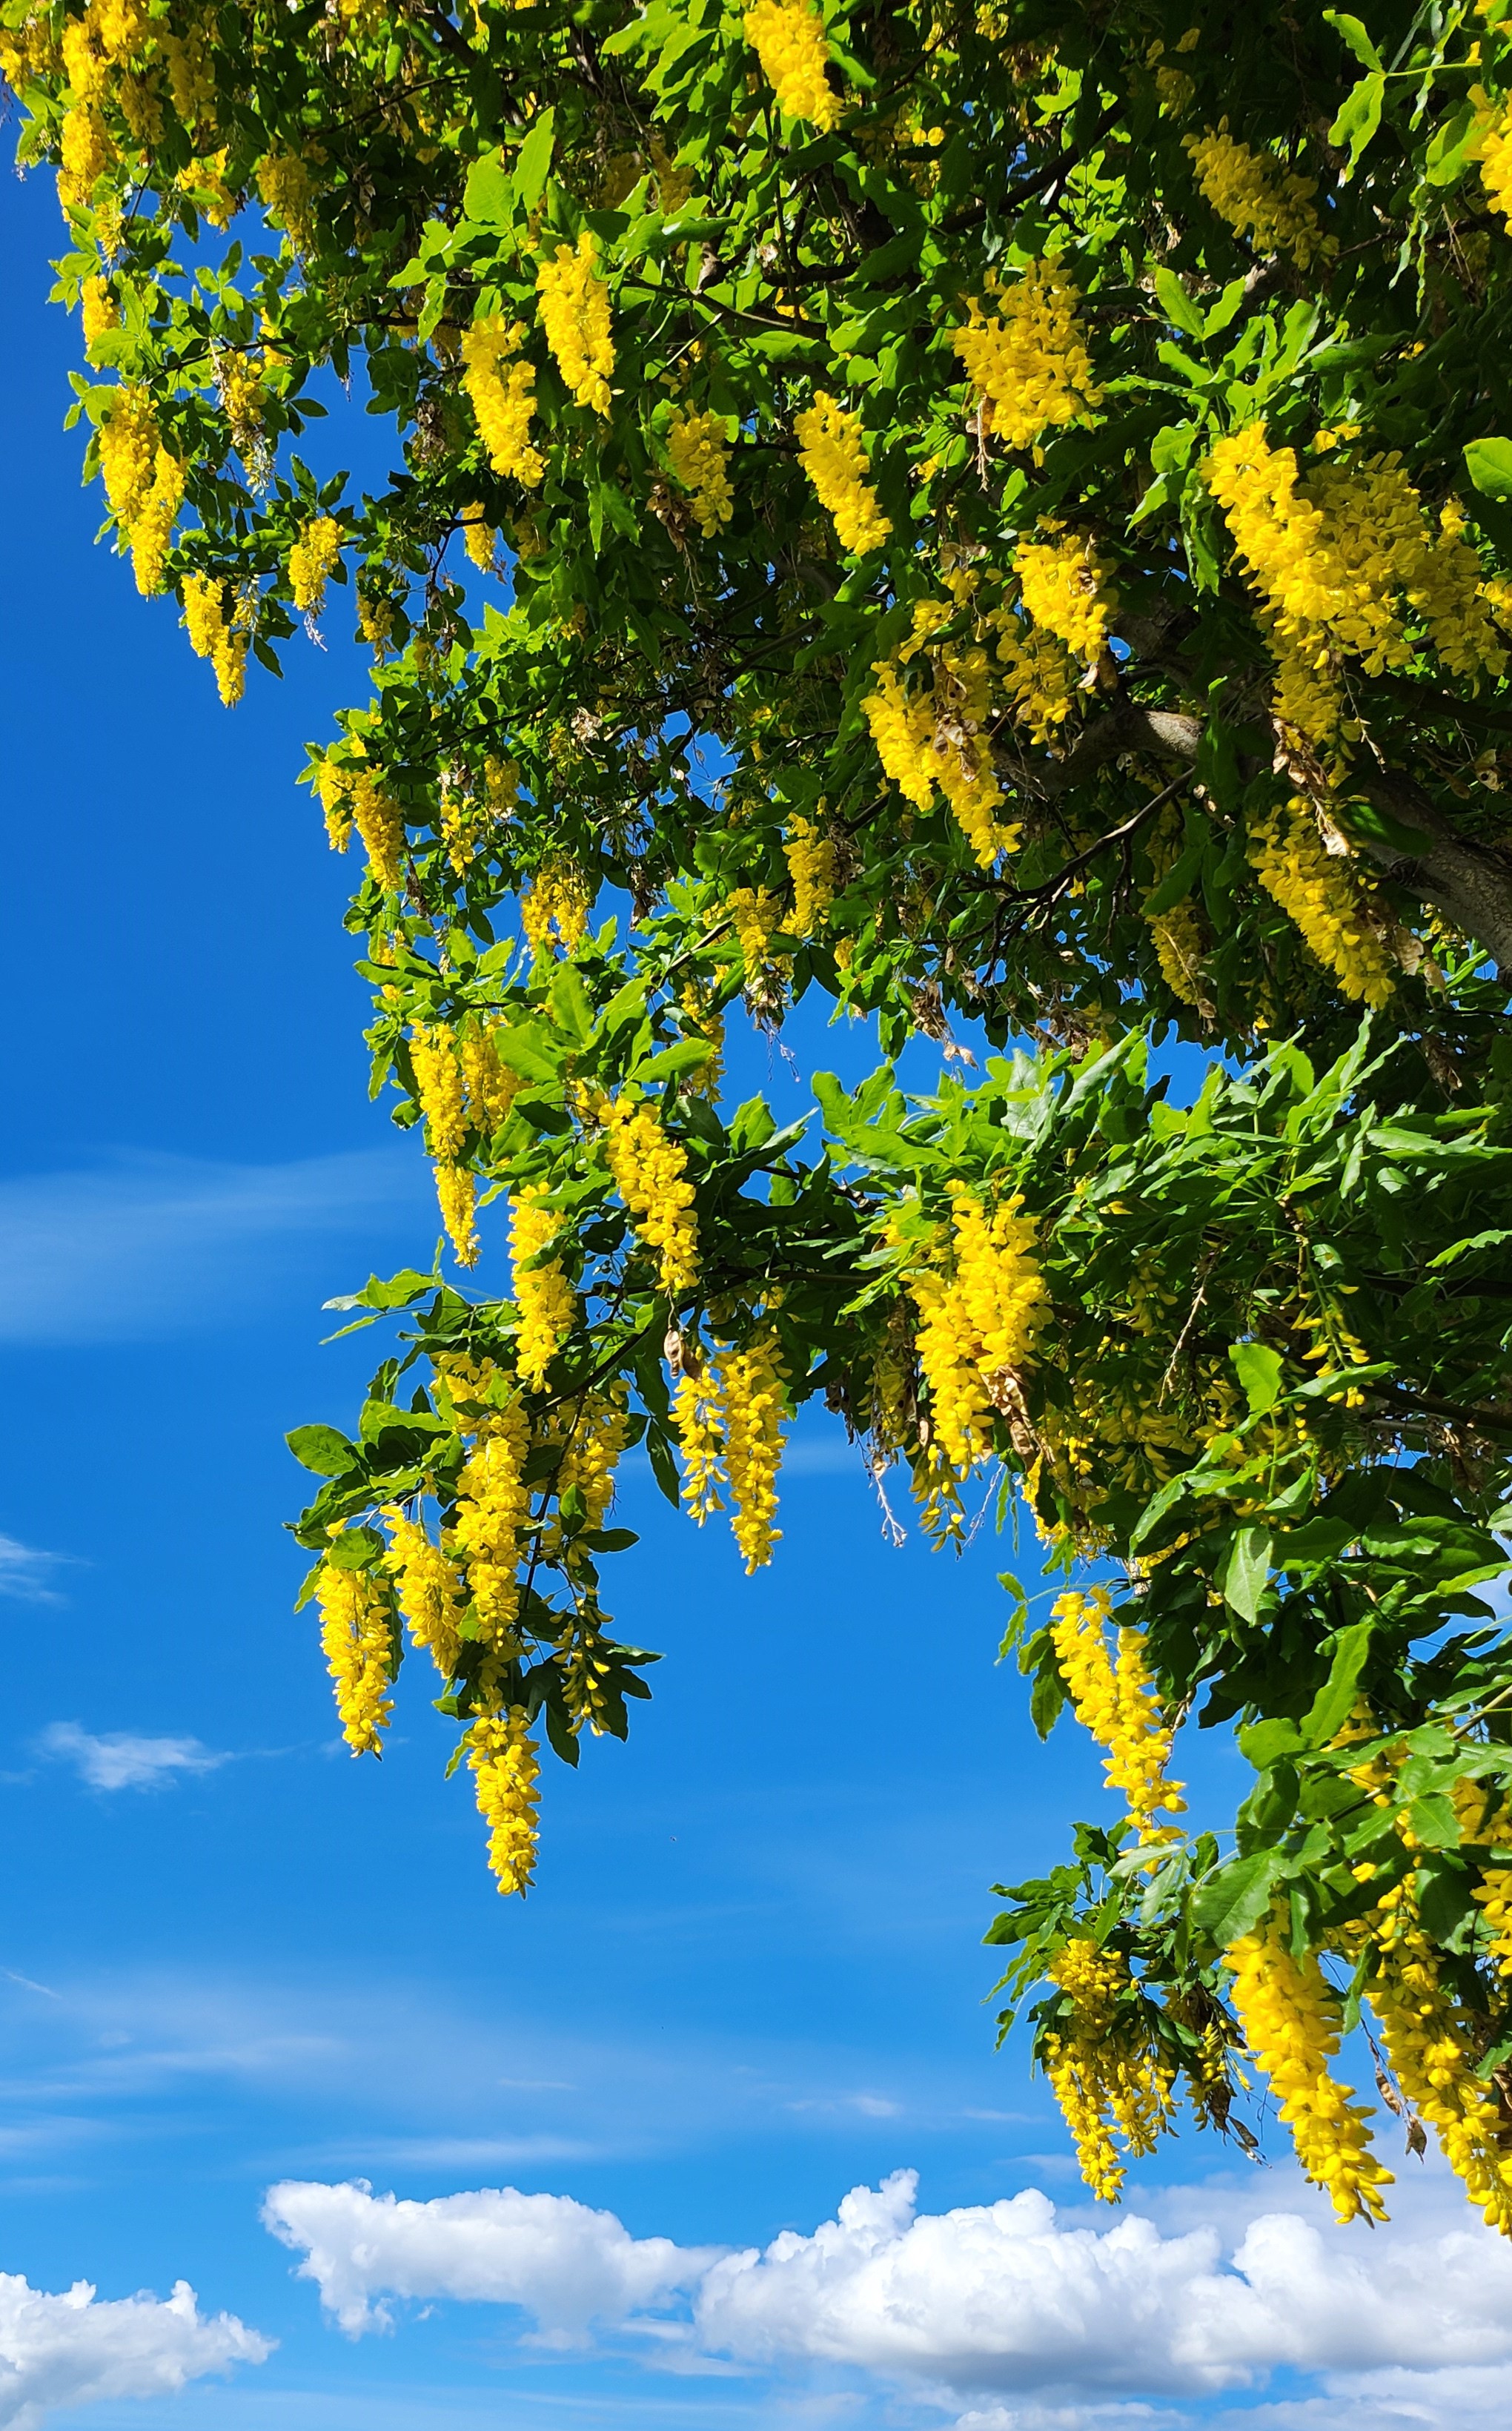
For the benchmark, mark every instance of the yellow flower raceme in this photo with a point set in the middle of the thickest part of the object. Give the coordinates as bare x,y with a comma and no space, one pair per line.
480,539
788,37
1062,583
574,311
1492,149
832,454
1116,1704
505,1764
1431,2043
128,450
357,1633
1028,360
560,896
439,1087
650,1172
751,1405
811,862
312,559
99,310
981,1299
429,1590
288,192
88,151
1104,2069
492,1507
697,1411
597,1428
544,1297
151,533
502,389
491,1084
1292,2024
217,635
937,740
1315,890
756,916
1041,677
1271,205
699,454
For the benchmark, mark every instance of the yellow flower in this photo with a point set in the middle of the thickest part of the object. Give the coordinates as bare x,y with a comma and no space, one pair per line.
544,1297
1271,205
812,865
502,392
429,1590
356,1633
491,1084
1041,677
1292,2024
574,311
751,1407
1062,585
925,742
493,1506
1029,363
698,1414
650,1172
1105,2067
216,635
505,1766
311,561
1433,2049
1315,890
1118,1705
100,310
88,151
788,37
756,916
832,454
151,533
288,190
380,823
560,896
128,450
699,454
981,1299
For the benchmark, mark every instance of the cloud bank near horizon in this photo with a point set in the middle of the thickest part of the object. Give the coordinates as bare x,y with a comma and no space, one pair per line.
1031,2321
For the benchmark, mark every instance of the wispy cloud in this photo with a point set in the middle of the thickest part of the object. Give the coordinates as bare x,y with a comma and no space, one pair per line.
123,1760
25,1572
153,1243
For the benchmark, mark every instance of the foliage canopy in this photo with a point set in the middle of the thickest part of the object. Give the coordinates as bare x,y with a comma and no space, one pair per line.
998,514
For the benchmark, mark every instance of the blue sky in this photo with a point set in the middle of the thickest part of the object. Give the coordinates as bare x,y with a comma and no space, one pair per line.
750,1978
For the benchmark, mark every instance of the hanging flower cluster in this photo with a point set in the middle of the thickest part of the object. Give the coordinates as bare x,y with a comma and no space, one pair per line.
699,454
1292,2027
729,1409
575,313
650,1172
787,38
1063,584
832,452
1105,2067
1116,1702
356,1633
938,739
1269,206
501,388
1316,891
981,1300
312,559
505,1766
1028,360
544,1297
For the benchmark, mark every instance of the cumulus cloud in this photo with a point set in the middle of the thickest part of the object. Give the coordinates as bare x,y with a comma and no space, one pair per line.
121,1760
559,2260
1039,2321
72,2350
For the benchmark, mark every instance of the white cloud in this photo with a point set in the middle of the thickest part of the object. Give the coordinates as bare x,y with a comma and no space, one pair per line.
72,2350
564,2263
24,1572
151,1242
1044,2322
121,1760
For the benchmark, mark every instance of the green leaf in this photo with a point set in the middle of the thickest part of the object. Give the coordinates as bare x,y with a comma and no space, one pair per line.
1331,1708
1259,1372
324,1450
1359,118
1177,304
526,1051
663,1465
1489,462
1233,1900
1246,1572
488,196
356,1548
1351,31
533,163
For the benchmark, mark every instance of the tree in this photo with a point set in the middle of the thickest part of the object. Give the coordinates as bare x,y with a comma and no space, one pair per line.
996,515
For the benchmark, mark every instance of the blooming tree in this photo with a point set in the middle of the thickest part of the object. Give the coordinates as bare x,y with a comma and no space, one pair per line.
983,514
